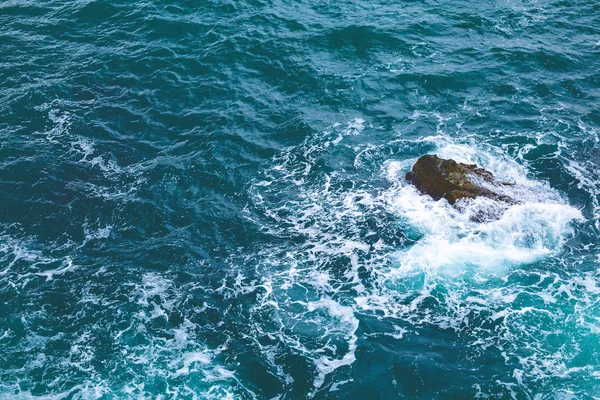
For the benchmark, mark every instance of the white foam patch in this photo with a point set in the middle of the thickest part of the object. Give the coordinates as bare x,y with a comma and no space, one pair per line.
96,234
179,355
15,251
51,273
61,123
587,179
344,321
22,263
524,233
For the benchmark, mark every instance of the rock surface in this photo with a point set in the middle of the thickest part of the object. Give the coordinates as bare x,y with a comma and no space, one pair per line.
445,178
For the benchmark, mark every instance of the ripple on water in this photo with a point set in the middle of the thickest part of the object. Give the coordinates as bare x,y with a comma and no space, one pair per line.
207,200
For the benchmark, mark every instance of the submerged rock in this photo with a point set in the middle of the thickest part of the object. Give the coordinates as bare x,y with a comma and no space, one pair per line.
445,178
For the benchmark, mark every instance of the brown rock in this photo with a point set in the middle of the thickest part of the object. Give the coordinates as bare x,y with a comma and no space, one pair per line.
445,178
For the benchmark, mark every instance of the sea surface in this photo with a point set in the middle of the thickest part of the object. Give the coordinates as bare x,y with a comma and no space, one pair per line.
207,199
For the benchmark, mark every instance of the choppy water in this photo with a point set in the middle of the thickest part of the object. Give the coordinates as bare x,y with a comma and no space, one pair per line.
207,200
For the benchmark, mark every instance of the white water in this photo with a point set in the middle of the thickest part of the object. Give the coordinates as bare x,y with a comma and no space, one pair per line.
317,291
450,251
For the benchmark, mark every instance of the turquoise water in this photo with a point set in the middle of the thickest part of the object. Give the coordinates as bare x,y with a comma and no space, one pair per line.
207,200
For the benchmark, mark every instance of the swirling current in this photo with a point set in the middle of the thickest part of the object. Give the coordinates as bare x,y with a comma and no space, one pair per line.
206,199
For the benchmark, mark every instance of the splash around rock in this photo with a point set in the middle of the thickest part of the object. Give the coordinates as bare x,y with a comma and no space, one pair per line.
446,178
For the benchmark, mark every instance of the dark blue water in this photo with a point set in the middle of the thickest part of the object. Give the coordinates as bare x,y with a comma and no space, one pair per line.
207,200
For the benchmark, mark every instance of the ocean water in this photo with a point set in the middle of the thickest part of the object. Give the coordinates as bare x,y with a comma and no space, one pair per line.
206,200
